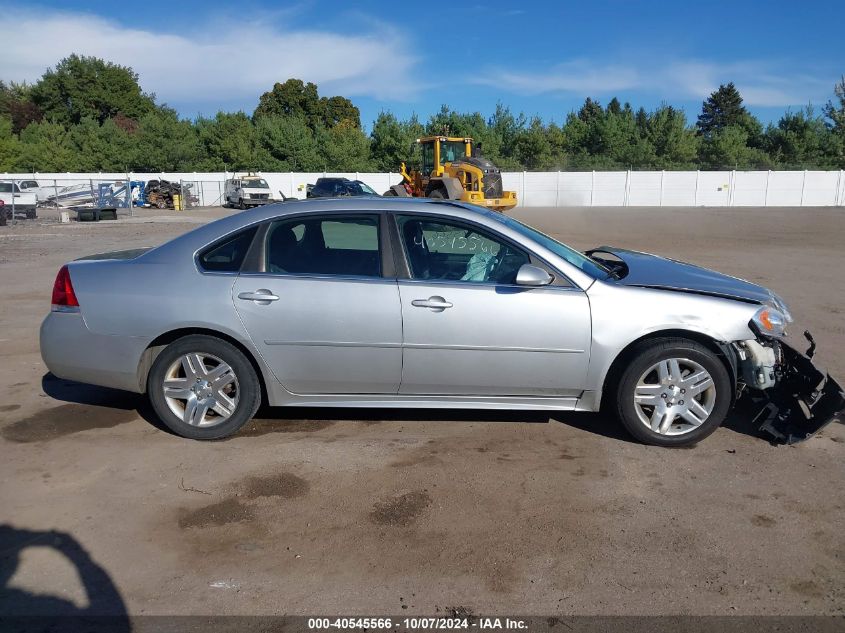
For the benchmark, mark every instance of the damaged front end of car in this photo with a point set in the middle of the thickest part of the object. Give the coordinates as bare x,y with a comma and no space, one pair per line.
791,399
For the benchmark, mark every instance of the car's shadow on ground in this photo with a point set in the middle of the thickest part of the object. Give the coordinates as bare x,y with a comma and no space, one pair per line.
81,393
304,419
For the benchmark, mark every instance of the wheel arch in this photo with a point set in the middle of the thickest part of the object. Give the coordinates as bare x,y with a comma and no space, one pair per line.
163,340
723,351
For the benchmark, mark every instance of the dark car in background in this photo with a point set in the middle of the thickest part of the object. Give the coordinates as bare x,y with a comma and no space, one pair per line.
331,187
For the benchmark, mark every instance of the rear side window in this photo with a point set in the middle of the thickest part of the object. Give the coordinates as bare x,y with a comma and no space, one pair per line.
228,255
336,245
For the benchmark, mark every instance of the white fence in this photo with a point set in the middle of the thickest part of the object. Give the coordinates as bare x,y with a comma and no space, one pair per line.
561,189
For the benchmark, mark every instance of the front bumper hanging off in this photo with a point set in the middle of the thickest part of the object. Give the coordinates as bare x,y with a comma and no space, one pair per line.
804,400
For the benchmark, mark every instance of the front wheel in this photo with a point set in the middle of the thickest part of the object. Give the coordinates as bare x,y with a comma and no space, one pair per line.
674,392
203,388
438,194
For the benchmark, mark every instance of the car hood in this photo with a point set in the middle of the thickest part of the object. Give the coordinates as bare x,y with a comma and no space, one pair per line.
651,271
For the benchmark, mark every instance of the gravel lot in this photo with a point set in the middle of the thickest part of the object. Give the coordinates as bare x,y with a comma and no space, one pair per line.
374,512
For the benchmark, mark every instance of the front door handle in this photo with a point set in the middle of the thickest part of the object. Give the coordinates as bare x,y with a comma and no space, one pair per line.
261,296
435,304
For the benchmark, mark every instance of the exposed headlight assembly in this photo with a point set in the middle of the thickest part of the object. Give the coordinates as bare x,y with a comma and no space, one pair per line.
770,321
780,305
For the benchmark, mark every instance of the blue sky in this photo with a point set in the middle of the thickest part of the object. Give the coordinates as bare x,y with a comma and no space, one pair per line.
542,58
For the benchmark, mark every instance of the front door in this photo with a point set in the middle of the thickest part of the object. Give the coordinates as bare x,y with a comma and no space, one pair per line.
470,330
320,313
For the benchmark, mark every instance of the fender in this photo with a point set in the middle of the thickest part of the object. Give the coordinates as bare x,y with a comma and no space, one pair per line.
453,187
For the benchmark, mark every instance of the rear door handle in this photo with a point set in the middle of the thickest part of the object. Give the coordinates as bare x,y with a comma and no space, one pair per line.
261,296
436,304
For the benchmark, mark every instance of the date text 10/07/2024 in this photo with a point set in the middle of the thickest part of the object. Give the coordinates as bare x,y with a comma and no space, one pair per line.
419,624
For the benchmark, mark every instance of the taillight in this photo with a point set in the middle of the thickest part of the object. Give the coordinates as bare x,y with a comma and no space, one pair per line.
64,298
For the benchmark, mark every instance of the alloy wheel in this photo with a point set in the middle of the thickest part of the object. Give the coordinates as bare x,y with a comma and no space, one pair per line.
674,396
201,390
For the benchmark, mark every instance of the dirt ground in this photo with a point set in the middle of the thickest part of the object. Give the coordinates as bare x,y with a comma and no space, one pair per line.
421,512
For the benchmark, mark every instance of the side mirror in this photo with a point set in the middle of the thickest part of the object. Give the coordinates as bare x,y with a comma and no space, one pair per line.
529,275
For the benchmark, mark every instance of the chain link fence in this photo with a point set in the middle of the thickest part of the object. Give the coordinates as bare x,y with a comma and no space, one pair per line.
23,197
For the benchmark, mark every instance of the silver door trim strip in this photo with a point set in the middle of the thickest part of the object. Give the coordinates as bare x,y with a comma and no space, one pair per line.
330,344
486,348
471,348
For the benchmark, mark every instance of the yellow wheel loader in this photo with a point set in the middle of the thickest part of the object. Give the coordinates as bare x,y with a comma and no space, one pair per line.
451,170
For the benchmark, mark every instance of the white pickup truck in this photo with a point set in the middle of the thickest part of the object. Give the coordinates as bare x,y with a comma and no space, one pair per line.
22,202
33,186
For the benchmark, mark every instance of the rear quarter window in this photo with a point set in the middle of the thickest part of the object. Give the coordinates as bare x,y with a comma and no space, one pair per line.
227,255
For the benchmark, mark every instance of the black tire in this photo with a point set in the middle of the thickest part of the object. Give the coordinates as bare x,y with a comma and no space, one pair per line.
652,352
241,204
31,215
439,194
390,194
249,389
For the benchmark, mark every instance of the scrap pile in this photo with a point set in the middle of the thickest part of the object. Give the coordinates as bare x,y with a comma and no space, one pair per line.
160,193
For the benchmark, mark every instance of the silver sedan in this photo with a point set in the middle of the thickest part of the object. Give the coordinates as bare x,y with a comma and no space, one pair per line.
372,302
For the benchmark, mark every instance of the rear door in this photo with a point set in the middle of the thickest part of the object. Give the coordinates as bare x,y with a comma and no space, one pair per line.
323,309
470,330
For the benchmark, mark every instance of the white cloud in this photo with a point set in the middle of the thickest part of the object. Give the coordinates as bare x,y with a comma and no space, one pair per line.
232,59
761,83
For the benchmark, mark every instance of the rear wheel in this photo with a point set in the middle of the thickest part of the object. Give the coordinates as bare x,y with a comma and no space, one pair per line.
674,392
203,388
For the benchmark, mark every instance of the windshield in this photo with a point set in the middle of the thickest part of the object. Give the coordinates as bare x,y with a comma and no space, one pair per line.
366,188
256,183
451,151
589,266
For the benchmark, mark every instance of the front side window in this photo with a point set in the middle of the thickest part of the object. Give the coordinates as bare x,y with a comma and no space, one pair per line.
228,255
451,151
441,250
333,245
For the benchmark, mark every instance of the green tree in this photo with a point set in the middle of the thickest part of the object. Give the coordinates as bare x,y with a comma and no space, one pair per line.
164,142
340,110
97,147
802,141
10,146
835,110
532,147
729,149
674,143
82,86
295,98
289,143
47,146
16,104
230,142
344,147
723,109
392,141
